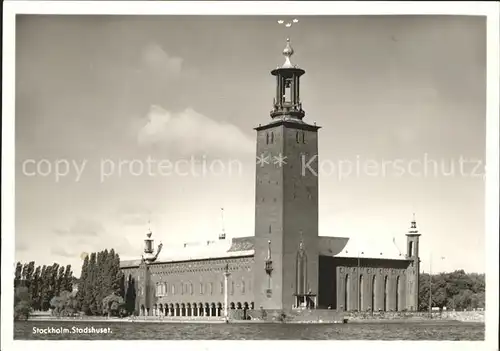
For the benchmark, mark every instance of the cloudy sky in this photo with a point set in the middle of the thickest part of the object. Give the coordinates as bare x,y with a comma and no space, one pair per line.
99,96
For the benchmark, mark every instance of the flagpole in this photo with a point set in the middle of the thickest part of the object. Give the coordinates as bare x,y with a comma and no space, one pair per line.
430,285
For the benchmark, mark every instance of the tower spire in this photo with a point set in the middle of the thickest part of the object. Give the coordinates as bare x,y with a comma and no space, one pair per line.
288,52
413,226
287,104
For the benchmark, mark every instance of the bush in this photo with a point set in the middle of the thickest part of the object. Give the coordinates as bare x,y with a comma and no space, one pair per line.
22,311
280,316
263,313
22,304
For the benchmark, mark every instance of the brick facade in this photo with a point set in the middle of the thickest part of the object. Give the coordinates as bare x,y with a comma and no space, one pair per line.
286,261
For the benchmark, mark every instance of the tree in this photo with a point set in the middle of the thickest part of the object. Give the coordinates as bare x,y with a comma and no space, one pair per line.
81,294
46,289
29,273
66,304
18,274
112,304
24,274
60,285
89,288
455,290
68,279
22,303
35,289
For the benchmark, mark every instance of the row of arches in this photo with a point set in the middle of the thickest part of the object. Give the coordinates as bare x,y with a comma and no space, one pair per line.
371,285
195,309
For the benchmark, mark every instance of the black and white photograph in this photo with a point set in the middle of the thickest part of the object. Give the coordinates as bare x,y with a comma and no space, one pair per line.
250,171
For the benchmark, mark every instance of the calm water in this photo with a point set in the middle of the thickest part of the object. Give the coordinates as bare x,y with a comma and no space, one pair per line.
170,331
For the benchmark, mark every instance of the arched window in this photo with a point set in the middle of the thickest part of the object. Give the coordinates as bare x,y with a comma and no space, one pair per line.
165,288
374,292
398,292
386,295
242,286
301,271
267,138
411,249
272,137
158,289
211,287
173,289
347,291
297,137
191,288
303,137
232,287
360,288
222,287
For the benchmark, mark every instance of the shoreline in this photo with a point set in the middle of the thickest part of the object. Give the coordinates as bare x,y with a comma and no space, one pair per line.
222,321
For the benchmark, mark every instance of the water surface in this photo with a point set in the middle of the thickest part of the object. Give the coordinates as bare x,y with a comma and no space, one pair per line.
429,330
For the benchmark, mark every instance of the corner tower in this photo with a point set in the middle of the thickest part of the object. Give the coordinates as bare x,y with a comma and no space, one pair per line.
286,199
412,254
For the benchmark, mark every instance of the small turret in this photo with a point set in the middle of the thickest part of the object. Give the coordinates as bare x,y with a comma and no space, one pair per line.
149,255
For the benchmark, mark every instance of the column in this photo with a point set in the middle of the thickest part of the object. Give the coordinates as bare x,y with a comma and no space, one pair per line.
278,90
297,91
226,296
282,90
175,311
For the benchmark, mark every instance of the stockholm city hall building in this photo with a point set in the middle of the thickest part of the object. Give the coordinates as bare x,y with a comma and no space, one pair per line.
286,265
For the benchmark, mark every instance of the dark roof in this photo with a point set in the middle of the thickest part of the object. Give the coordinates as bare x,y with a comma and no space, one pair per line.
242,244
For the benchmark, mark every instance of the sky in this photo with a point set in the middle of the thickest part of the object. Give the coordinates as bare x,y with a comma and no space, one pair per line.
401,101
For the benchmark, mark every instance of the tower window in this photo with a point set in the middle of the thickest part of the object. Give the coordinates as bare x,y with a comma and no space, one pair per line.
410,251
272,137
303,138
297,137
288,91
267,138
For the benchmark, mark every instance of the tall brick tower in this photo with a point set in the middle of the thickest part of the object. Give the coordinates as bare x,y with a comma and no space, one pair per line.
412,254
286,199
